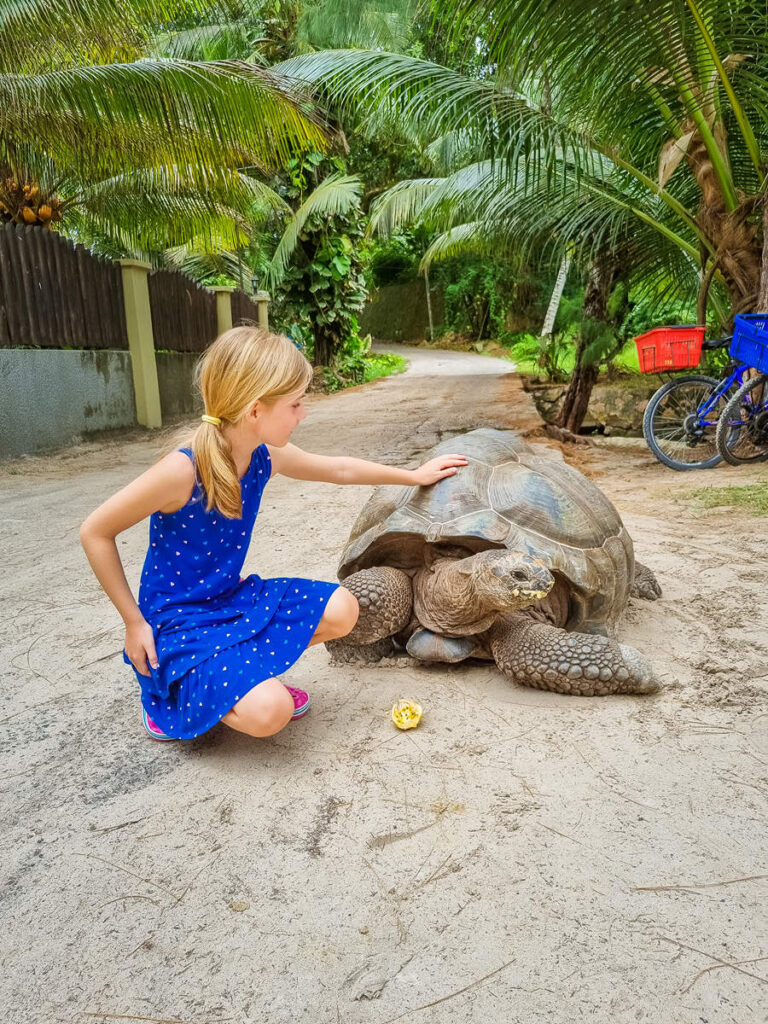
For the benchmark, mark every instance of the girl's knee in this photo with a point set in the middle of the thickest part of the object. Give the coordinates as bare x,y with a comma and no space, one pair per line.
344,613
262,714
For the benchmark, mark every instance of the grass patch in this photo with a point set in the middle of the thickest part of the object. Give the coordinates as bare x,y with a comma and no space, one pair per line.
383,364
361,370
752,498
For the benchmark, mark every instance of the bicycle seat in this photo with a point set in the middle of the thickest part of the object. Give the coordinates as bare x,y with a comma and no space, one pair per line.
713,343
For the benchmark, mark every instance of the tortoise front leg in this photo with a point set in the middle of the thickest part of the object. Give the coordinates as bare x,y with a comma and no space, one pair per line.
547,658
385,596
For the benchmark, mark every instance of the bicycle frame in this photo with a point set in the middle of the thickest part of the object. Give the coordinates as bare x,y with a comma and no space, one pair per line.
738,374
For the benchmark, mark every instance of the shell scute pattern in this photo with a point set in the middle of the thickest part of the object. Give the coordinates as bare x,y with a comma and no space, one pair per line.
510,495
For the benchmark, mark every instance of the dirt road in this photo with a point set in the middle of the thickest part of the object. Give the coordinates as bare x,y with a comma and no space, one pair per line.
523,857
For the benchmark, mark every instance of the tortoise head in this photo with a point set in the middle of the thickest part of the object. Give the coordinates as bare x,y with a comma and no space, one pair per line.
508,580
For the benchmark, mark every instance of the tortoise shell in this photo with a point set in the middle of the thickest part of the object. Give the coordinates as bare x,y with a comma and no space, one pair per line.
509,495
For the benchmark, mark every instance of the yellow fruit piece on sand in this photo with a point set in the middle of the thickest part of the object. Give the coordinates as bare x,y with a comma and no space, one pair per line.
406,714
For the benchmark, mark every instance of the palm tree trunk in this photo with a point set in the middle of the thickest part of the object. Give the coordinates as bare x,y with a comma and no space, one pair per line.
557,293
595,307
762,292
429,306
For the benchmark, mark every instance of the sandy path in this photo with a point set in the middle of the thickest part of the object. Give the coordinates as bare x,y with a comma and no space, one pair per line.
523,857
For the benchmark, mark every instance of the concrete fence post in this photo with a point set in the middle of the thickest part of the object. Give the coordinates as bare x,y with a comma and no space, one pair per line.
262,309
223,307
141,342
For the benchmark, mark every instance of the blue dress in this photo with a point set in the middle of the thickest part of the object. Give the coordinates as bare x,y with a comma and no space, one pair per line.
217,635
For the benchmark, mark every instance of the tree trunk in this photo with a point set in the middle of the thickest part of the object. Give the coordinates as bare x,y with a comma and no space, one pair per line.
704,286
429,306
761,305
733,234
557,293
326,343
602,274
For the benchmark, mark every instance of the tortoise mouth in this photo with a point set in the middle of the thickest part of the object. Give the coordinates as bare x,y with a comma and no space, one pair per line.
531,593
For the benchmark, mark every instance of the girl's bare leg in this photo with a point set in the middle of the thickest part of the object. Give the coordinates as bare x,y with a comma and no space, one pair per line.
339,618
268,707
263,711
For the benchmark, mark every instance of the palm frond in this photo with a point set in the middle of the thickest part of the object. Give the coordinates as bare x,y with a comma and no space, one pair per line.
337,194
201,115
400,205
472,236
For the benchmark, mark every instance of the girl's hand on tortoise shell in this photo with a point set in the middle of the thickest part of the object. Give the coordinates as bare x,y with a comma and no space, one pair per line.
436,469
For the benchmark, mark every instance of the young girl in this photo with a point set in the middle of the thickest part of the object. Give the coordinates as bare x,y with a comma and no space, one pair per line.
207,645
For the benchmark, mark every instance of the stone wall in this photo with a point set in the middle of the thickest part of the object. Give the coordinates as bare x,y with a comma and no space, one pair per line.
54,397
614,408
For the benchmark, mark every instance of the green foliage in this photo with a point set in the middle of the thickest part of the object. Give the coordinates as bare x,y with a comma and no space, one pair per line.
219,280
320,259
480,293
396,258
600,341
553,357
356,364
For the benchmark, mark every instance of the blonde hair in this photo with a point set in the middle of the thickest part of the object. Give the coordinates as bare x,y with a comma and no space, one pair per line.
242,365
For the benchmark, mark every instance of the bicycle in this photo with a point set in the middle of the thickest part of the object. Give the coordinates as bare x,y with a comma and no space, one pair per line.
742,433
681,418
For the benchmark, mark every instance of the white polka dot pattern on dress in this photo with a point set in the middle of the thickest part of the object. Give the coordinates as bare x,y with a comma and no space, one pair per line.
199,607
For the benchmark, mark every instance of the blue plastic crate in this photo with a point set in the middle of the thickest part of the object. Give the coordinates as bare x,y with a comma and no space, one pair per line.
750,340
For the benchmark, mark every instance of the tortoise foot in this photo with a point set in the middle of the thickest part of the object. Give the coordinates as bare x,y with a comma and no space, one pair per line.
548,658
360,654
645,585
385,596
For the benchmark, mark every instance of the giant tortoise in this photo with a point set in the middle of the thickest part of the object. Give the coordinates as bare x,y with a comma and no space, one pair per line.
517,558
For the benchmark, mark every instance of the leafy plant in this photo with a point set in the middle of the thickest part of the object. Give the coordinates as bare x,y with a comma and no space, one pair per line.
319,261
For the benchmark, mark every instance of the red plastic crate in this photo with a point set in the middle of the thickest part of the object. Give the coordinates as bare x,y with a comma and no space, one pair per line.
669,348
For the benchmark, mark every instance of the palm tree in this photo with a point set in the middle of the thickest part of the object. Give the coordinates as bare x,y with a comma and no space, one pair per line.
487,208
656,109
317,263
96,135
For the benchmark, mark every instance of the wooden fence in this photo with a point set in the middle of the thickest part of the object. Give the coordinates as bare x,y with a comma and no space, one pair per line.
183,312
243,308
54,294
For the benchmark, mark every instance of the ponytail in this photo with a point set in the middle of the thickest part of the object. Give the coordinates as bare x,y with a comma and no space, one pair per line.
217,471
243,365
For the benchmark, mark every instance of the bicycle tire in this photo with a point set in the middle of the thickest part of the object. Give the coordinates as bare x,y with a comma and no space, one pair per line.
733,442
650,432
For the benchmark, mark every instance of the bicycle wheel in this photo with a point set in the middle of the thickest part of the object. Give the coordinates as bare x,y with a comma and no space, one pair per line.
676,428
742,432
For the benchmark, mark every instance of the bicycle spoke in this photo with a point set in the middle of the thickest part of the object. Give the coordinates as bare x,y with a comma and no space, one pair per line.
743,433
677,429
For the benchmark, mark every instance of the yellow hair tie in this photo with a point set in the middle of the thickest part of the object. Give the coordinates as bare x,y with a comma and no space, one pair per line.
211,419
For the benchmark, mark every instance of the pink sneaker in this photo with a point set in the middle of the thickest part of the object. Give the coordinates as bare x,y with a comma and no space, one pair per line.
153,730
300,701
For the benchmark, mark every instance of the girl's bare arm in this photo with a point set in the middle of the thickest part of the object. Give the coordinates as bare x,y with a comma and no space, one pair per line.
165,487
341,469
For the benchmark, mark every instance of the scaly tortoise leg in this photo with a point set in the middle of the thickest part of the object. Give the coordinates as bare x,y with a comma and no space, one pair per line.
547,658
645,585
385,596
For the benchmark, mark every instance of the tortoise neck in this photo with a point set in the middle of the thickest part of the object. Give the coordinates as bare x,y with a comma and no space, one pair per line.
447,599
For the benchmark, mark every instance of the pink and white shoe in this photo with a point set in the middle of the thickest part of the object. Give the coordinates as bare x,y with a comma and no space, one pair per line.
153,730
300,701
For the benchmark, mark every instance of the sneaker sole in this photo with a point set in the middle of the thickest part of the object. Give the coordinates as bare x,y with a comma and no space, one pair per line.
300,712
162,738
